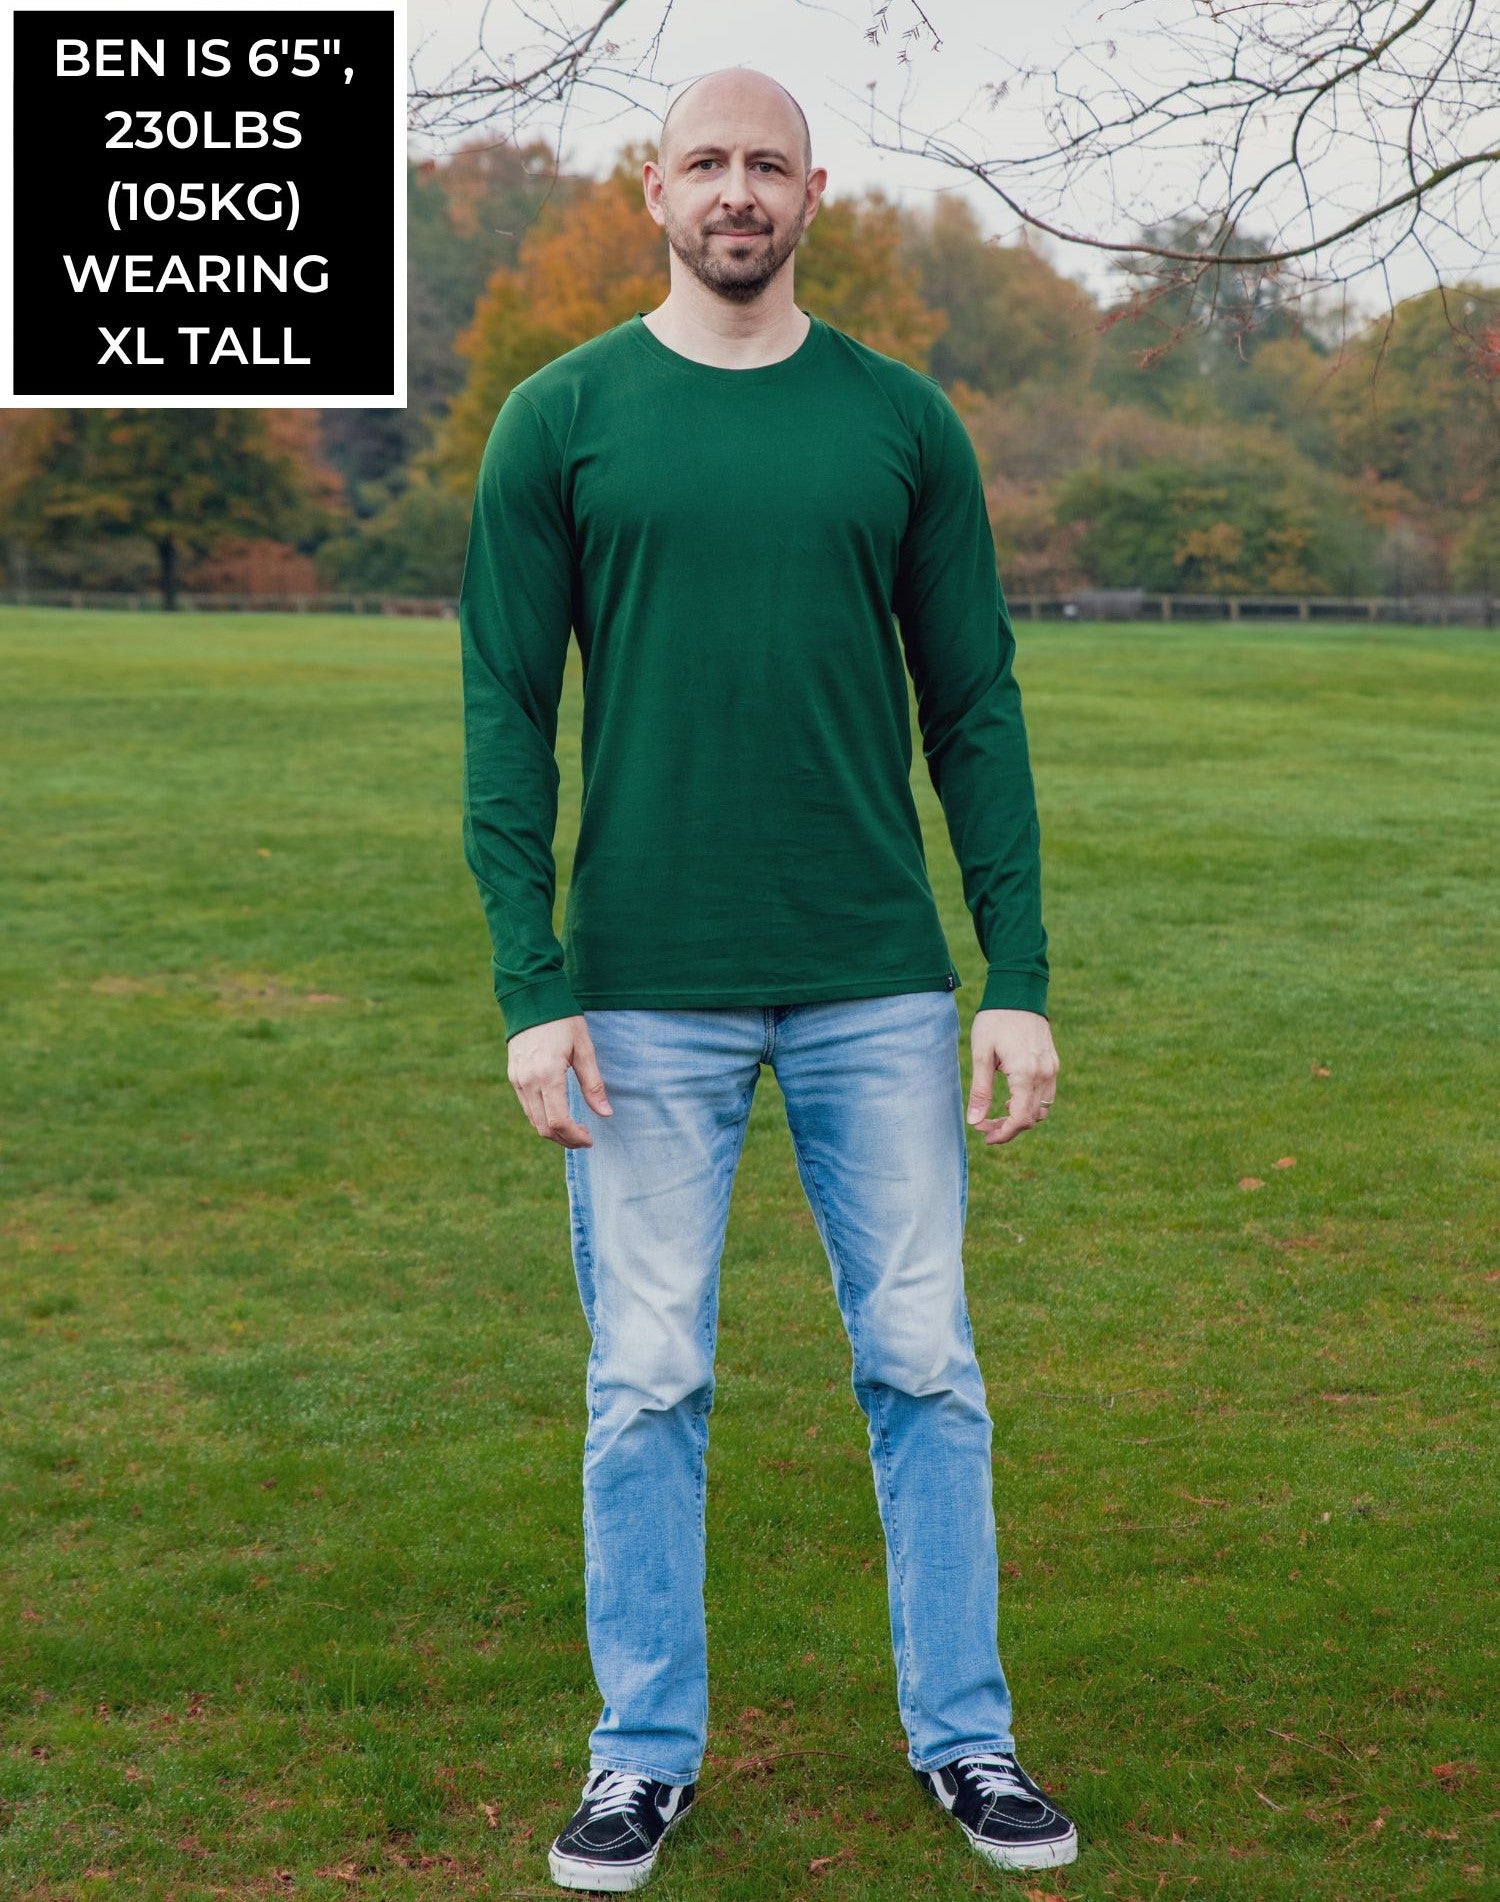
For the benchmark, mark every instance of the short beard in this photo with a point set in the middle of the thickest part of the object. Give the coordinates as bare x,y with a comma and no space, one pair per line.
736,280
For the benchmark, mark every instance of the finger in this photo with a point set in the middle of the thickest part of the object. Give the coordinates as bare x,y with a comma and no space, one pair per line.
586,1069
531,1101
1022,1110
982,1087
557,1124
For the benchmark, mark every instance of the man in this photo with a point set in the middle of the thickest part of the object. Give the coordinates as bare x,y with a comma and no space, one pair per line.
757,526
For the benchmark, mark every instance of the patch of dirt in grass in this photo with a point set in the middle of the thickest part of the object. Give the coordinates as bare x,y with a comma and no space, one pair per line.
234,992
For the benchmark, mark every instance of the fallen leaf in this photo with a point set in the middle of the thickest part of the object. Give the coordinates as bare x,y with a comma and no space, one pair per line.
1287,1162
1152,1837
491,1814
1251,1182
1320,1069
1451,1775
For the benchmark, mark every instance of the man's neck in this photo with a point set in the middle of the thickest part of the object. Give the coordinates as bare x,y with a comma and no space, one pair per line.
729,336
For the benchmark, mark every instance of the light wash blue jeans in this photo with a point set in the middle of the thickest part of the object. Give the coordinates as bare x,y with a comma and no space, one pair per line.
874,1100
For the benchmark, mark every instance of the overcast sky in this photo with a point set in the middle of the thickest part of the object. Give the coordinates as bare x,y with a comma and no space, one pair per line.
820,52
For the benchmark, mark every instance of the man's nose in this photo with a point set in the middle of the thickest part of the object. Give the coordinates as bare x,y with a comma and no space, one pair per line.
736,193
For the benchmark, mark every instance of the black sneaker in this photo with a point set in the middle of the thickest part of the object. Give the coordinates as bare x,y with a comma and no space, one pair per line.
1002,1812
610,1841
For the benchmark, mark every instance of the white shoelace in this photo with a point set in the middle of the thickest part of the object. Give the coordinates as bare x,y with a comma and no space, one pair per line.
617,1792
996,1776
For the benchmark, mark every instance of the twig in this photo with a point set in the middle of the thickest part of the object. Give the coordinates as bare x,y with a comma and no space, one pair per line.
1287,1737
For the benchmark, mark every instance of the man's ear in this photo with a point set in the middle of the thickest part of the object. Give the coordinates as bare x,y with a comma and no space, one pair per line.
652,181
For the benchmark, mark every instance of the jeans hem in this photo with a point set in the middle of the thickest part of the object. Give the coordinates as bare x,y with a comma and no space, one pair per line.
652,1770
988,1747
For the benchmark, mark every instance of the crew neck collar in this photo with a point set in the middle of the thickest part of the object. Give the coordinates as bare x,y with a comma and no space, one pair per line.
718,372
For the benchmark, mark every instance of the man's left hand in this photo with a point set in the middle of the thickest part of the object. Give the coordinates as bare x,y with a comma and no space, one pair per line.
1018,1044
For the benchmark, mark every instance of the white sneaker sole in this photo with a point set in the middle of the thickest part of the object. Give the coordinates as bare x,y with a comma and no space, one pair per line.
608,1878
1024,1855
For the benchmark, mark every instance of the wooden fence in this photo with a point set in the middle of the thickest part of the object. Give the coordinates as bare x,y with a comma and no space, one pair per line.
1087,604
1135,604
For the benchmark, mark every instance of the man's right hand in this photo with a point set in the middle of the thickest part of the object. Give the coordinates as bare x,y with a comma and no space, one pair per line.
539,1062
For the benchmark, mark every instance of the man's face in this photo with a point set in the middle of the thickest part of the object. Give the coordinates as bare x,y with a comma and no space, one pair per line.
734,205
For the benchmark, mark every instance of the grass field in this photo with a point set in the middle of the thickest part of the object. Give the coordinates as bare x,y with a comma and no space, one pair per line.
292,1355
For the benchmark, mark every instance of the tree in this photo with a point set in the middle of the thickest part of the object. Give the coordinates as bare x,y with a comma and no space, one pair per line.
1010,316
414,546
183,478
1241,516
1431,420
28,441
852,270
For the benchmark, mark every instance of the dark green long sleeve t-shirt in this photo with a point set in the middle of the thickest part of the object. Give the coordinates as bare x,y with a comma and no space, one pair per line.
752,561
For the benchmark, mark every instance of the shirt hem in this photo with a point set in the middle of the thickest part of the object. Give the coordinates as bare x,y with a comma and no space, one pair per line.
848,989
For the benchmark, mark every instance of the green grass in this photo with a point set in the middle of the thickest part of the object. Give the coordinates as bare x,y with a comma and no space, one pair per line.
292,1354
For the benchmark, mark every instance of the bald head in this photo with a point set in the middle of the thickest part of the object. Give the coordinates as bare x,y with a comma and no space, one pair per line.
735,95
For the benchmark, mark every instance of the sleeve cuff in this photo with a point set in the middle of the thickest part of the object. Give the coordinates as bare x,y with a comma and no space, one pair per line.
1014,990
538,1003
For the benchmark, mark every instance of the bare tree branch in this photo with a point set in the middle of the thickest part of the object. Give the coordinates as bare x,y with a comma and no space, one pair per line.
1339,130
515,83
